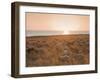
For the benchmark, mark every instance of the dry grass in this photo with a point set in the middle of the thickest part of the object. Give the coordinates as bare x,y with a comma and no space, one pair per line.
57,50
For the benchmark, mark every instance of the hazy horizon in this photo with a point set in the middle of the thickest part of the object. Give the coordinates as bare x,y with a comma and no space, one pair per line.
56,24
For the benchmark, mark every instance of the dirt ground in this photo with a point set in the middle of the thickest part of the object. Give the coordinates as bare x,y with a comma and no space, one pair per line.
57,50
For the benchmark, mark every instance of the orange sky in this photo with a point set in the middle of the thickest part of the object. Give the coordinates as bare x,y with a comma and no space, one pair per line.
58,22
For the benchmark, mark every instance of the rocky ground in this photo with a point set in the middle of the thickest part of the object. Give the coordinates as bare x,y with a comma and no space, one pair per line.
57,50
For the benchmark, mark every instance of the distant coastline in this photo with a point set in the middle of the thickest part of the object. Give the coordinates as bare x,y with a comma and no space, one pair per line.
45,33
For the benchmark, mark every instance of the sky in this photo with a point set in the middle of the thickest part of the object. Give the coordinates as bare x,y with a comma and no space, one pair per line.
56,22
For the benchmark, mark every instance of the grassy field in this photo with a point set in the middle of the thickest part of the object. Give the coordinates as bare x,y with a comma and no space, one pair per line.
57,50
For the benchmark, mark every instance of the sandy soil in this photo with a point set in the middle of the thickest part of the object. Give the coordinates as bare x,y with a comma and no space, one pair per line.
57,50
